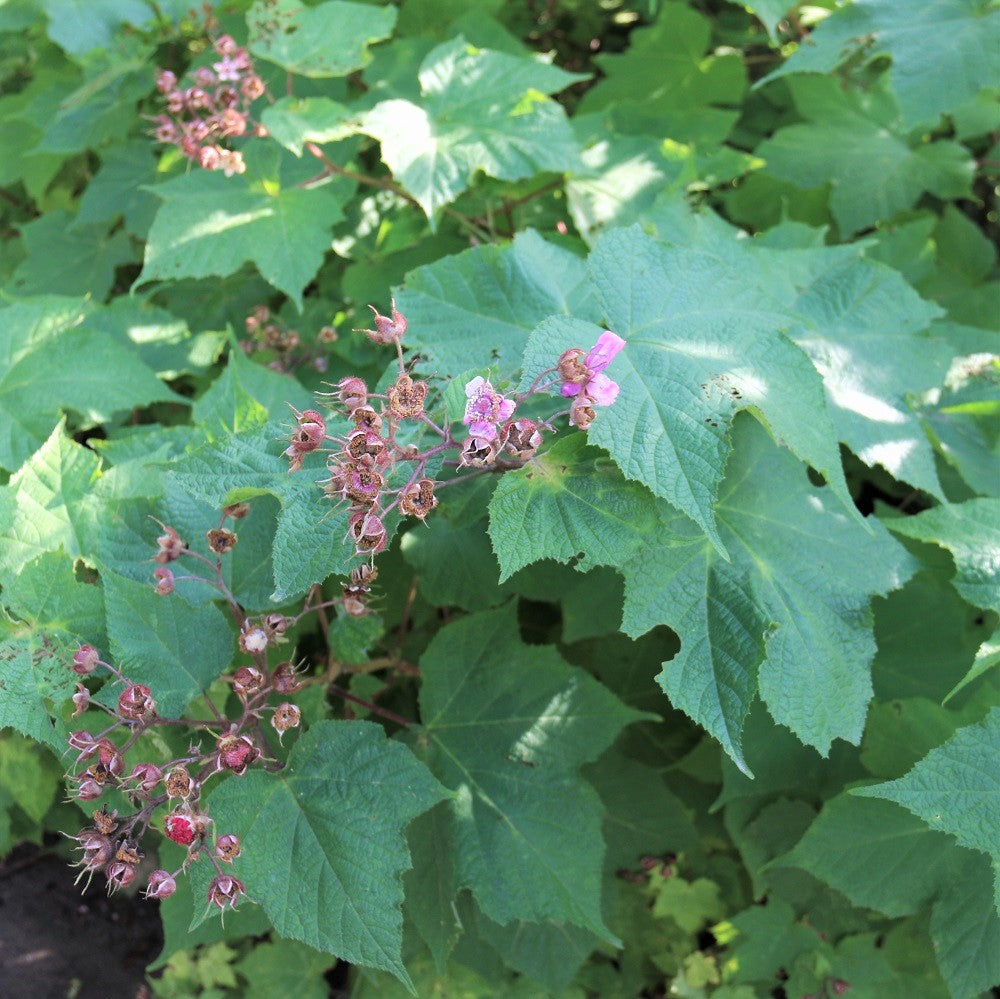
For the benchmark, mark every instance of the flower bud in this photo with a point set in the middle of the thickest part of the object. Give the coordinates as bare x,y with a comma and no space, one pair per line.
418,499
89,789
236,753
252,87
169,546
228,848
81,700
161,885
209,157
204,77
275,624
225,891
387,329
164,581
285,679
165,81
220,540
120,875
85,660
352,392
147,775
136,702
83,741
225,45
285,716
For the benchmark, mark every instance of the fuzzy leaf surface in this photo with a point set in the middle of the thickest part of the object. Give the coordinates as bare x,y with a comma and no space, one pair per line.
526,826
323,840
479,110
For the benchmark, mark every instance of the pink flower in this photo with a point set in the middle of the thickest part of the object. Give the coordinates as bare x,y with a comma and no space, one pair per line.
485,409
592,381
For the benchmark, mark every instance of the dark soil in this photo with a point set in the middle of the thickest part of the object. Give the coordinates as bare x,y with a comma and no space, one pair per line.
58,944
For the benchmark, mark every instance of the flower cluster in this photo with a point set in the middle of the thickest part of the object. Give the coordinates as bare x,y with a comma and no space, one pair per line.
167,794
215,108
267,333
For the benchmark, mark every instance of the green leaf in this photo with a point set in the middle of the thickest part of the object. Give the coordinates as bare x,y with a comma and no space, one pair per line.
483,303
176,649
900,732
569,503
53,356
48,615
769,12
323,845
691,362
955,788
874,170
971,532
767,938
526,827
294,121
309,543
50,504
330,39
285,967
82,25
120,188
875,853
959,38
211,224
801,576
31,778
665,69
480,110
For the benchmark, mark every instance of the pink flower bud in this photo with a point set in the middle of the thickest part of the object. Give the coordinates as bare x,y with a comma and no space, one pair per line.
161,885
247,680
388,329
204,77
169,546
352,393
165,81
136,702
164,581
147,775
85,660
81,700
286,679
236,753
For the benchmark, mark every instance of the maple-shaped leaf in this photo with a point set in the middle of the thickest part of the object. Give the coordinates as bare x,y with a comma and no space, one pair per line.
955,787
485,302
876,170
788,614
328,39
943,51
48,615
323,844
52,359
506,727
294,121
702,343
479,110
210,224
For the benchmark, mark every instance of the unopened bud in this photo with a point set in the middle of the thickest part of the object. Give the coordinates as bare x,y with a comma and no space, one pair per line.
164,581
136,702
81,700
247,680
276,624
85,660
148,776
387,328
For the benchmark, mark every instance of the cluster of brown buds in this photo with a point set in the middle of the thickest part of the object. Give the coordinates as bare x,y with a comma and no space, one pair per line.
268,333
111,843
212,110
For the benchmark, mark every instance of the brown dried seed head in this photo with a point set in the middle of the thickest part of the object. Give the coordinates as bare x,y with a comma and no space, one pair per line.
406,398
221,541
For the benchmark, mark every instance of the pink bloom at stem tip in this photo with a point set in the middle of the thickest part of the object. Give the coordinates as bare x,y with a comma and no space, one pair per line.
601,389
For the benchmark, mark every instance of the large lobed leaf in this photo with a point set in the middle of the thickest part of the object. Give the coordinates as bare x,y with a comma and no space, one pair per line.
479,110
506,727
323,844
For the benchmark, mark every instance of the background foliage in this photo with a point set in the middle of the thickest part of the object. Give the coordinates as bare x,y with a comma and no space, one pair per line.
706,702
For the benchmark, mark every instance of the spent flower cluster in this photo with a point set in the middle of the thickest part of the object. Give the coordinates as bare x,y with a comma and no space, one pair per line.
213,108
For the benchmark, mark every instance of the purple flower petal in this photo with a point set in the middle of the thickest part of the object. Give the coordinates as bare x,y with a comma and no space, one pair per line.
507,407
570,389
483,430
602,390
604,351
474,386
